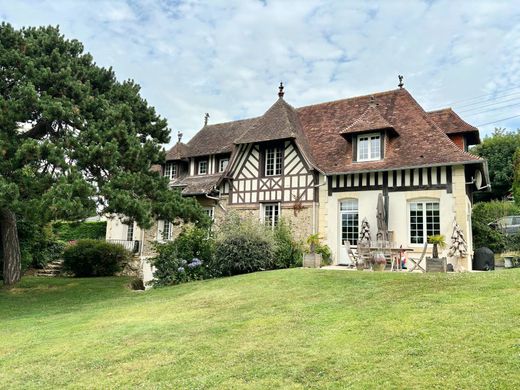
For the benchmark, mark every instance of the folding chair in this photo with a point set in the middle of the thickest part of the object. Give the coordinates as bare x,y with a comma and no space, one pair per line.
417,262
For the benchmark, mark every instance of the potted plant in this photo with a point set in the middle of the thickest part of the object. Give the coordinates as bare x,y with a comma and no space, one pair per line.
312,259
435,263
378,261
437,241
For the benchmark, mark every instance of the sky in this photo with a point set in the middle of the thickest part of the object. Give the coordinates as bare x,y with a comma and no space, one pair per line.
227,58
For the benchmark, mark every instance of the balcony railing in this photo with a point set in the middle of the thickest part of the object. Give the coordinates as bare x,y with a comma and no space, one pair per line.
132,246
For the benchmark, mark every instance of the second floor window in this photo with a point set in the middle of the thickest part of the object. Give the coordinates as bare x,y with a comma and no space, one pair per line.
203,167
170,170
369,147
273,162
222,164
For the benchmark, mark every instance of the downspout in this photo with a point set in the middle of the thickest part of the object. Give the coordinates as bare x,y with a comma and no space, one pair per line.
218,201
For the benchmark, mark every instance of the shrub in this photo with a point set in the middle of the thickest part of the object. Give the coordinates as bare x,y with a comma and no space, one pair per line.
70,231
288,252
315,246
243,245
184,259
485,236
94,258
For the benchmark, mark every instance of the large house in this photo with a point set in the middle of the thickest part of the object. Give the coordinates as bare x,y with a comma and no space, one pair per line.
323,166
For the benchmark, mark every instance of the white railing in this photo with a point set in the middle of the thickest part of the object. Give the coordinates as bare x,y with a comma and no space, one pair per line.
132,246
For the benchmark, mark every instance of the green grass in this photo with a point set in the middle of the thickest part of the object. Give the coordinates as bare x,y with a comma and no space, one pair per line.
283,329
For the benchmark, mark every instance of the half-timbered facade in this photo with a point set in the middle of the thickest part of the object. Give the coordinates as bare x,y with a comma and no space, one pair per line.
322,168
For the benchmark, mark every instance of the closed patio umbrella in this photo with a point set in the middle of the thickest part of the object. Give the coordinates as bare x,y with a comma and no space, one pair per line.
382,228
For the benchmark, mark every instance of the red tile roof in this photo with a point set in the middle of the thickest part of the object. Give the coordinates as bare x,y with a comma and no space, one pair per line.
451,123
369,120
178,151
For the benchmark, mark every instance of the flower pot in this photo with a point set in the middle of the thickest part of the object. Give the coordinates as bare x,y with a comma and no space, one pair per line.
312,260
378,261
360,265
378,267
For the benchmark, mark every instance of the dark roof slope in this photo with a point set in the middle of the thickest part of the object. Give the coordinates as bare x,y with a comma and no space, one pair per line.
369,120
420,142
451,123
178,151
218,138
197,185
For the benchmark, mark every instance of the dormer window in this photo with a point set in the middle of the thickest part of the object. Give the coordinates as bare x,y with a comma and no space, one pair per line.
369,147
170,170
203,167
273,161
222,164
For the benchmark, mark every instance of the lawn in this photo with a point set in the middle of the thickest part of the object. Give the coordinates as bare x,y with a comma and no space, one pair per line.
295,328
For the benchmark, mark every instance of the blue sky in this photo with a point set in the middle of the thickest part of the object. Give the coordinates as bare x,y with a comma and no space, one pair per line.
227,57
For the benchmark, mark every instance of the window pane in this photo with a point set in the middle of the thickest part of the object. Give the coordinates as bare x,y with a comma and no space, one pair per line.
271,214
273,162
363,148
375,147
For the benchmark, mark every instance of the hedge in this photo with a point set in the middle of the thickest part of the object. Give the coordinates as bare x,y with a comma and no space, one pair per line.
72,231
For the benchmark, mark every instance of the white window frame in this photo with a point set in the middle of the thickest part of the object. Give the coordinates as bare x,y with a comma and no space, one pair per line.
273,156
211,212
426,231
369,138
349,211
277,213
221,162
170,170
165,234
199,164
130,232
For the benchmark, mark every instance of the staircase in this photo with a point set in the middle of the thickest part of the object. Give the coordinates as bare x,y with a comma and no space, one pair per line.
54,268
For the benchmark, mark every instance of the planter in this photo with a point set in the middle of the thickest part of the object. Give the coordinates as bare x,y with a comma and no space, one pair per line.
360,265
436,264
378,267
312,260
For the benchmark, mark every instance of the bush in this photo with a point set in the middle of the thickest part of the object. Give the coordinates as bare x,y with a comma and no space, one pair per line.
288,252
484,235
94,258
185,259
243,245
71,231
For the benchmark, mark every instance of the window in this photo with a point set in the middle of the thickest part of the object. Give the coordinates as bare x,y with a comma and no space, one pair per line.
369,147
273,161
130,232
424,221
167,231
210,211
349,215
170,170
203,167
222,164
271,214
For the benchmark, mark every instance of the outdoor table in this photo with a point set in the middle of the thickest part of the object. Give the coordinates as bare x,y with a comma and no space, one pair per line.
394,253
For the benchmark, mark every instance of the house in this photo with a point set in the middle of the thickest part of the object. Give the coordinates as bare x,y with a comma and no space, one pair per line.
323,166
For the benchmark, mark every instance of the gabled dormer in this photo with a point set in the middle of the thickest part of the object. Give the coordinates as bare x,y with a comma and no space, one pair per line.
367,135
459,131
177,161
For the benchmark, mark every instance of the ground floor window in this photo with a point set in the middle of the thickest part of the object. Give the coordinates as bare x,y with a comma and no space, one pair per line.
424,221
130,232
210,211
167,230
271,214
349,215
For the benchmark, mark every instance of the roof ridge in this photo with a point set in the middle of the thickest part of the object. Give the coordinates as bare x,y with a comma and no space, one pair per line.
353,98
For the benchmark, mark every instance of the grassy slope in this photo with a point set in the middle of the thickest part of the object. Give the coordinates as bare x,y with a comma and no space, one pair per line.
291,328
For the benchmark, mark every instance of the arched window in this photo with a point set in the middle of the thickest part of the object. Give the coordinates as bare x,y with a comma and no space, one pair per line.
349,219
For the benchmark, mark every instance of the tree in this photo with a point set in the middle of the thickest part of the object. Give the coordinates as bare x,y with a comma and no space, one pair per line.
498,150
74,139
516,176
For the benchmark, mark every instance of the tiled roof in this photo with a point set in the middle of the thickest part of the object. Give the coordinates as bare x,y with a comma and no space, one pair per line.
420,141
451,123
178,151
369,120
218,138
196,185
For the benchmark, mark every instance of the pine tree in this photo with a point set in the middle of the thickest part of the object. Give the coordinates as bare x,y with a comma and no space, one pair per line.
74,139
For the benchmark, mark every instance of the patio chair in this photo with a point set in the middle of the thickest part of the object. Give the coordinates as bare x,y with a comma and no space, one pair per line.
351,256
363,249
417,262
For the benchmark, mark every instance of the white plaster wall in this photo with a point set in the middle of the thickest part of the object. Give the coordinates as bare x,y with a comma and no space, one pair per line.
397,216
116,230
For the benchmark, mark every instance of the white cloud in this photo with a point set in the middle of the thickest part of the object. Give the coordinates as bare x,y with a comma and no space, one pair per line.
227,57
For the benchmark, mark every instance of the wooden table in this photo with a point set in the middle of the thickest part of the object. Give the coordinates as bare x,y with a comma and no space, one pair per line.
394,253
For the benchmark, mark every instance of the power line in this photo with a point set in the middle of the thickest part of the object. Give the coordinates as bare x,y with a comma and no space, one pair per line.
488,100
480,96
499,120
492,109
490,104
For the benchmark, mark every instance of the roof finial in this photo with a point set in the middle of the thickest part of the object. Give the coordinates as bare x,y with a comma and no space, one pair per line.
206,117
372,101
280,90
179,136
400,85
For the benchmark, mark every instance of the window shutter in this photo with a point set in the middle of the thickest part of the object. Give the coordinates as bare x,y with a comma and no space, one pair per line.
382,138
354,148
